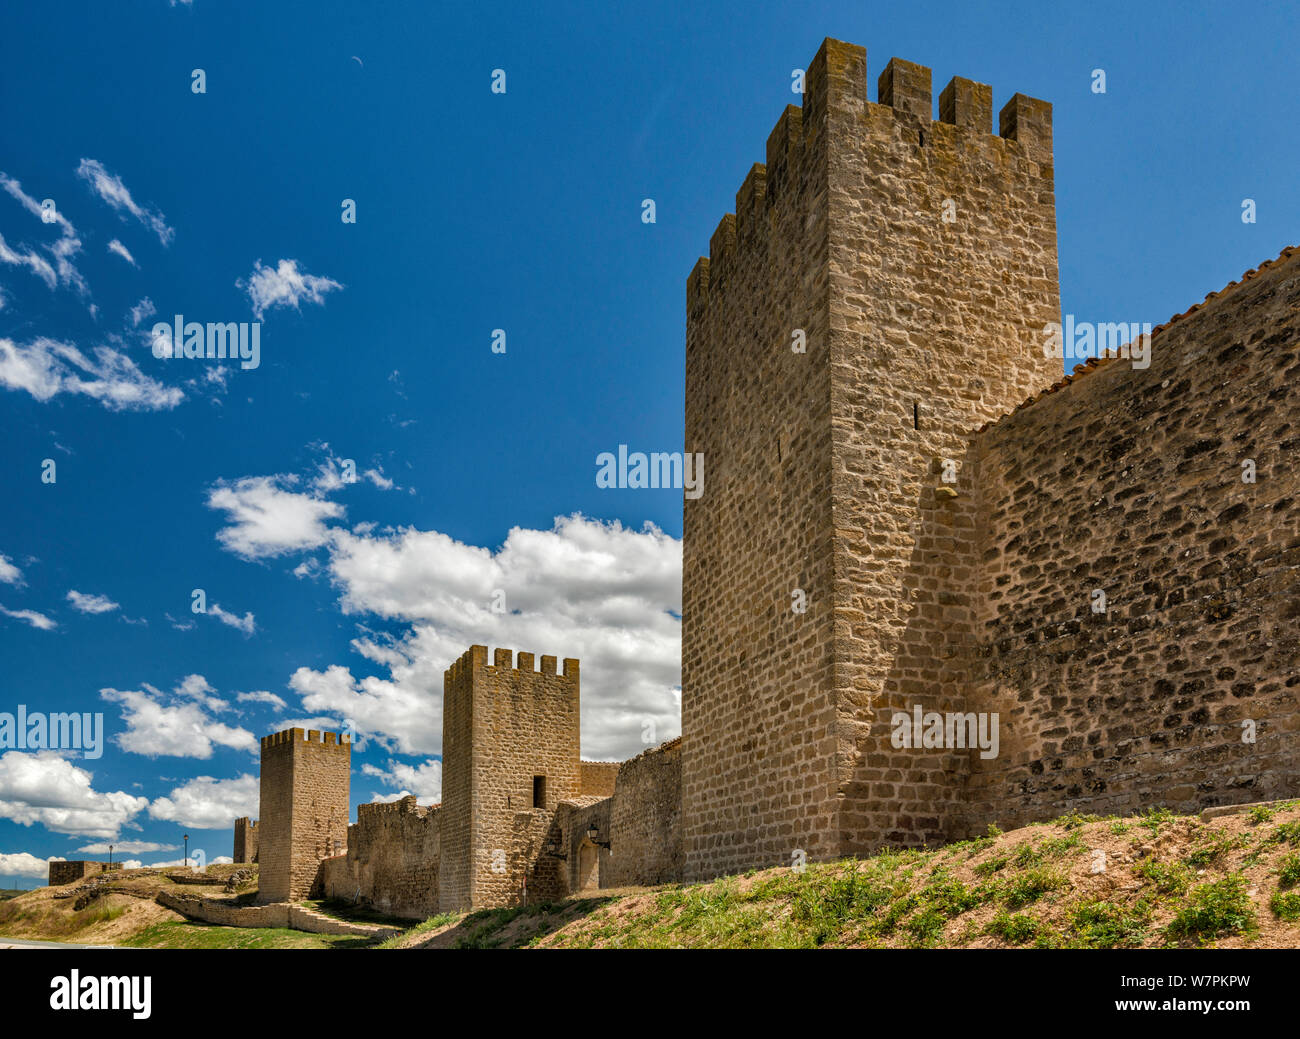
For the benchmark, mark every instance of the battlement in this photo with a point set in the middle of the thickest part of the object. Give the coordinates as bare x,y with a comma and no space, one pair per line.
476,658
305,778
287,736
836,85
402,806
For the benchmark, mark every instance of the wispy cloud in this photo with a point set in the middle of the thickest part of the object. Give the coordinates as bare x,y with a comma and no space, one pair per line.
247,624
142,311
84,603
46,367
24,256
63,249
109,187
117,247
36,620
262,696
9,574
284,286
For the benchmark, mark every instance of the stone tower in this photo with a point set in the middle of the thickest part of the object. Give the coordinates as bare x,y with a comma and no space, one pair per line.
510,754
245,840
304,810
880,292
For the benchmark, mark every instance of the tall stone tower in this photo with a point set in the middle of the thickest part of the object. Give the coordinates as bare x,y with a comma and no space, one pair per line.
880,291
245,840
510,746
304,810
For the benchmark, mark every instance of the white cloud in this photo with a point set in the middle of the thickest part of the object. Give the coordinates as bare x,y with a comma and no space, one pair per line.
109,187
205,803
178,725
423,780
284,286
29,258
48,789
91,603
125,847
117,247
45,368
262,696
142,311
63,249
15,189
247,623
21,864
268,520
9,574
606,594
36,620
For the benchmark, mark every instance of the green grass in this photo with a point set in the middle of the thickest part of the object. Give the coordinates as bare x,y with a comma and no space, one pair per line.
1288,870
54,924
1154,819
1016,928
1104,925
1212,846
1286,906
431,924
1031,886
1214,910
1168,878
185,935
1263,813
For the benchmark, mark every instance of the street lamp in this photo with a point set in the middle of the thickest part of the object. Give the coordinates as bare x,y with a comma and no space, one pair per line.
110,856
187,849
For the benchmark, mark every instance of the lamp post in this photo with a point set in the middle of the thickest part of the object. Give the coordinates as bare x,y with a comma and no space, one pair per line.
110,856
187,849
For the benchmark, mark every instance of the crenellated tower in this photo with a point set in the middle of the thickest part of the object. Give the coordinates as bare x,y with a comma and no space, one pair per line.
511,748
879,292
306,778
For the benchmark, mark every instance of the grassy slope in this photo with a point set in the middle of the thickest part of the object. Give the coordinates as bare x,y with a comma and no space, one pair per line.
1154,881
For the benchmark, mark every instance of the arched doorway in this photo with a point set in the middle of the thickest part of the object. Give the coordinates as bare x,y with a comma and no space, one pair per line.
588,866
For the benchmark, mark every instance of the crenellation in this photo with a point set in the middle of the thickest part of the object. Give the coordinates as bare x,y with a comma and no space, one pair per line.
966,104
905,87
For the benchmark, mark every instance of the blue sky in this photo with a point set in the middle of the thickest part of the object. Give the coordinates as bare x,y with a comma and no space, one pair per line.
334,602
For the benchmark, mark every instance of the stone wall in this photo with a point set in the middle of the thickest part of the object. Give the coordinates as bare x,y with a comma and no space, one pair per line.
1130,481
77,869
392,861
596,778
305,783
758,708
943,253
645,821
228,913
587,862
